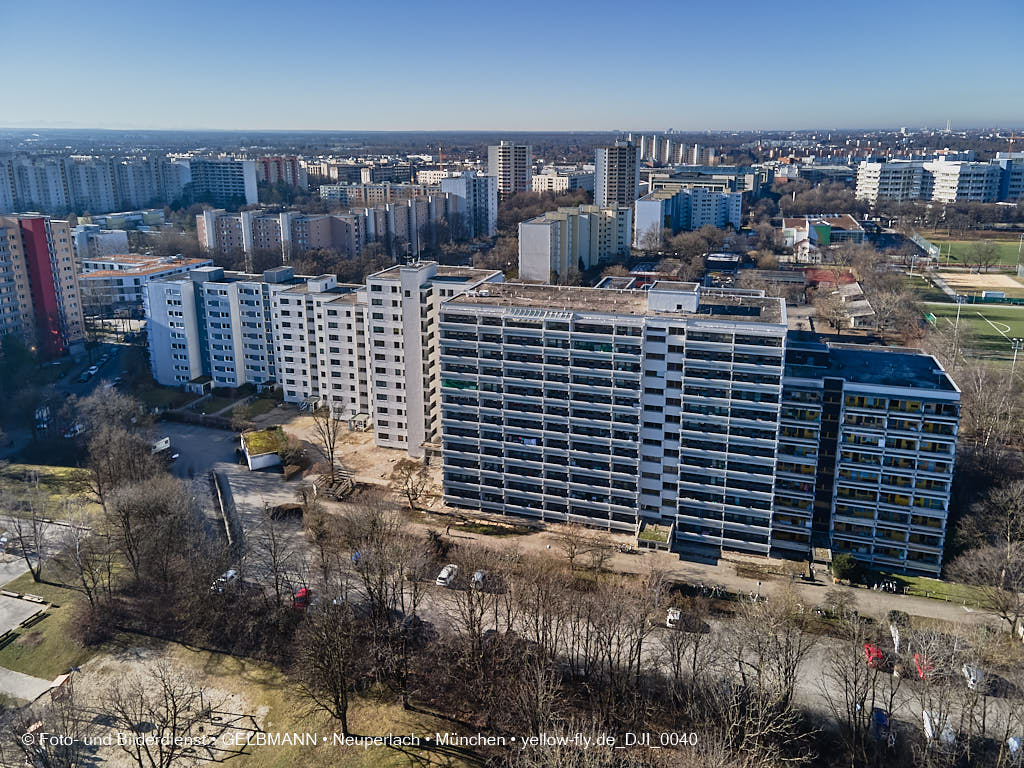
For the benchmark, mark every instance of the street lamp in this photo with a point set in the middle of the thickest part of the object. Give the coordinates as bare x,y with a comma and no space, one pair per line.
956,327
1017,344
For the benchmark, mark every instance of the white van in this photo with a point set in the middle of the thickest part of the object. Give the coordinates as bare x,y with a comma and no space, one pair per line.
447,575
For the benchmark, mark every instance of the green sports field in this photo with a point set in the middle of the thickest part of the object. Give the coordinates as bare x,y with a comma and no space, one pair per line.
987,327
959,251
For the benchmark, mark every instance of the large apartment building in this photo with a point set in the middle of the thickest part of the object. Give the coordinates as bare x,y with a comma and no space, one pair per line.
558,181
573,238
321,343
673,406
302,334
679,406
39,296
754,181
669,211
402,348
223,180
473,206
512,165
941,181
867,441
617,174
288,233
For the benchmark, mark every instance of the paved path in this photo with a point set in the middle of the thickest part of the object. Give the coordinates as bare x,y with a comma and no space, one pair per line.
24,687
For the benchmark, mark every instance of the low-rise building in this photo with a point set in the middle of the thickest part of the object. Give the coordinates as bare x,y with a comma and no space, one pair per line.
559,181
116,285
808,236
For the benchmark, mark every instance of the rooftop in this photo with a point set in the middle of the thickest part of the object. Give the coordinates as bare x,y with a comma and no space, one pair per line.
719,304
152,267
450,274
866,364
840,221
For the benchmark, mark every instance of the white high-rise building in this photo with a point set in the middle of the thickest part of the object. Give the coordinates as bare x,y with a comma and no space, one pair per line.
689,408
941,181
512,165
475,207
224,181
616,174
401,342
683,209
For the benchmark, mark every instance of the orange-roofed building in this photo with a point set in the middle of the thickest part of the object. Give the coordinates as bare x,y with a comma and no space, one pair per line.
115,285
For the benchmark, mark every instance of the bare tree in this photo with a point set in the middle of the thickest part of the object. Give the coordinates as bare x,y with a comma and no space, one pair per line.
326,431
411,479
853,688
164,709
93,556
30,528
117,457
984,255
572,540
272,554
326,659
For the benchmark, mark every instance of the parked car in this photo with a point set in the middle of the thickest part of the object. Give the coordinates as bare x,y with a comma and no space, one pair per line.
447,575
975,677
222,582
673,618
73,431
302,599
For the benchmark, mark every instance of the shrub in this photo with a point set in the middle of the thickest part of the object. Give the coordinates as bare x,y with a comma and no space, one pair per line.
899,618
844,566
92,625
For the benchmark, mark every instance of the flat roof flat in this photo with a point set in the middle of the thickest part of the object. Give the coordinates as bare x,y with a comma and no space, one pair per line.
463,274
720,305
866,364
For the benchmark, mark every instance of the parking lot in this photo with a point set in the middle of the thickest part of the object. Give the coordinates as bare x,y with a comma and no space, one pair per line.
198,448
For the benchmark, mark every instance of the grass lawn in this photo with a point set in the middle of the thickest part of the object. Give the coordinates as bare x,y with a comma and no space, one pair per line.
959,251
925,291
988,328
165,397
492,529
59,483
257,407
940,590
45,649
212,405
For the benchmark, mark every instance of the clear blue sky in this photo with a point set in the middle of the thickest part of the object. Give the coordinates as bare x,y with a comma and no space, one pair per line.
683,64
